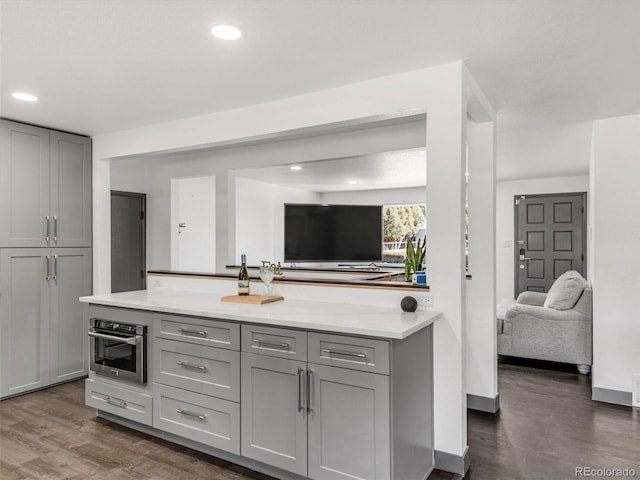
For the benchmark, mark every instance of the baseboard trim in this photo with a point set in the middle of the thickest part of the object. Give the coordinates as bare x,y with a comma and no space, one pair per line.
449,462
483,404
607,395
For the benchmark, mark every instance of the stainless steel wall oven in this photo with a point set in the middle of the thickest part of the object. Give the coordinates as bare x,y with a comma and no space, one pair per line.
118,350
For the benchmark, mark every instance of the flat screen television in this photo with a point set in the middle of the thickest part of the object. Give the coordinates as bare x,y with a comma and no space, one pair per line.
332,233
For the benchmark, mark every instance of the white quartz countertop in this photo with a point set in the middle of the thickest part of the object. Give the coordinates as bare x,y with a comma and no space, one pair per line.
371,321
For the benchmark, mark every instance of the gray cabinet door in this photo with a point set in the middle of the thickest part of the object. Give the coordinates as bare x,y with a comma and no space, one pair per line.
274,427
24,320
349,425
24,185
70,185
71,269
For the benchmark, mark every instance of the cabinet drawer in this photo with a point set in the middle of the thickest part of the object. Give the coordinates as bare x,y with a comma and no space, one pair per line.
201,369
198,330
275,342
119,401
356,353
200,418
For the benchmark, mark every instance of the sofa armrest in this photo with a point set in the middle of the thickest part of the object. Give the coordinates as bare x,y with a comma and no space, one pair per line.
531,312
532,298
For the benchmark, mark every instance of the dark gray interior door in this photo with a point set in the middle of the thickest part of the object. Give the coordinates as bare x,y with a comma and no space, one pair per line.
128,241
550,239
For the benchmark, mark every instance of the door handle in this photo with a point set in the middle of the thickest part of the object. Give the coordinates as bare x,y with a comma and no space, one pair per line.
55,228
47,259
300,388
47,219
523,258
55,267
309,378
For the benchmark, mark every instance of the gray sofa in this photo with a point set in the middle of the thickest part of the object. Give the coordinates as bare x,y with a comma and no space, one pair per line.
533,330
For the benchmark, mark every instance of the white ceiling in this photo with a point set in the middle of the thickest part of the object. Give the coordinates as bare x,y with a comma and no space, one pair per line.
549,67
366,172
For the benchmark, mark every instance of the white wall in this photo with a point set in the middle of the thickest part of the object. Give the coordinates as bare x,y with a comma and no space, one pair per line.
440,91
129,176
615,196
505,192
390,196
482,368
260,218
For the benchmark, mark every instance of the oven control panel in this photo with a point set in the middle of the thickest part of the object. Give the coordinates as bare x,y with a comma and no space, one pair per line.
126,328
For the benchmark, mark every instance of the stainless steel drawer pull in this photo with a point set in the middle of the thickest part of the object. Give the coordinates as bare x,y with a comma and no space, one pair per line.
55,228
346,354
262,343
300,387
182,411
186,331
55,267
116,402
47,219
48,277
192,365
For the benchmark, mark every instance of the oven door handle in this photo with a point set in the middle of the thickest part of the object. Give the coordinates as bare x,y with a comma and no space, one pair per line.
130,340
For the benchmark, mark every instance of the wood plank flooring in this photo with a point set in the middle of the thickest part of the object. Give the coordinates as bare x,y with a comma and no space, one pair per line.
547,426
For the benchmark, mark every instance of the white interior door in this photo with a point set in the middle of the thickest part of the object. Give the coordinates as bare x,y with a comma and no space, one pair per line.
193,224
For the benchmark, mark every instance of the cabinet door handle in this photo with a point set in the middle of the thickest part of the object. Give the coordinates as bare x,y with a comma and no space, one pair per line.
117,402
300,388
182,411
185,331
55,228
279,346
55,267
202,368
309,381
346,354
48,277
46,219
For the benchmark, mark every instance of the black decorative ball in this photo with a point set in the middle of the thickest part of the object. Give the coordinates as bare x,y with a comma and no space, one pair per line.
409,304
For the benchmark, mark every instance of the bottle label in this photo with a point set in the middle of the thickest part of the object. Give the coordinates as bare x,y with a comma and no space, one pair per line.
243,287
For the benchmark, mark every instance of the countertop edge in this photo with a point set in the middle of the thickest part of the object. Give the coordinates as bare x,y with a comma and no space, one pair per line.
274,319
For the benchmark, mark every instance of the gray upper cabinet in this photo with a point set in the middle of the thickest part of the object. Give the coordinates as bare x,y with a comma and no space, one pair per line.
70,190
45,187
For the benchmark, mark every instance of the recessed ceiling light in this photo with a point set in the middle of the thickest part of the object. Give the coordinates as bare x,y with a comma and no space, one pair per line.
226,32
26,97
352,182
295,168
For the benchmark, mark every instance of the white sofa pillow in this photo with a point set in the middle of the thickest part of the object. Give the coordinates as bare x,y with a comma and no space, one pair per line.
565,291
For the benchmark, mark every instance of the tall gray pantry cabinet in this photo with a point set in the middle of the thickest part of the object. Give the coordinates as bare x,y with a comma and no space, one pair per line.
45,256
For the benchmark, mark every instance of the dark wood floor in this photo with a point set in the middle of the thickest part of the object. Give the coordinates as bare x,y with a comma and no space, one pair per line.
546,428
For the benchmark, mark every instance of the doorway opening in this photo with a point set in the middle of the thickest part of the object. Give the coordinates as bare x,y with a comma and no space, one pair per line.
128,241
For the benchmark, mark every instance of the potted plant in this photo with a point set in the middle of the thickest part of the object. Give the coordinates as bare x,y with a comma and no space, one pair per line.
415,258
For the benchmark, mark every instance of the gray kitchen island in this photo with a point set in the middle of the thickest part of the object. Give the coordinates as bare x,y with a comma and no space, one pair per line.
294,389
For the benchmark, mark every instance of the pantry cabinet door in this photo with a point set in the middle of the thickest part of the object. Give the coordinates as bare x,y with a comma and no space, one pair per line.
71,272
24,320
70,190
24,185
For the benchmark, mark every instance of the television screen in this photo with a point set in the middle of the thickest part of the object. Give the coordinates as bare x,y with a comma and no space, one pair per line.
332,233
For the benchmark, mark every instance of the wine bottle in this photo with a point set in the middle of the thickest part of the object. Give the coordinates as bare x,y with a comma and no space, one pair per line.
243,277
